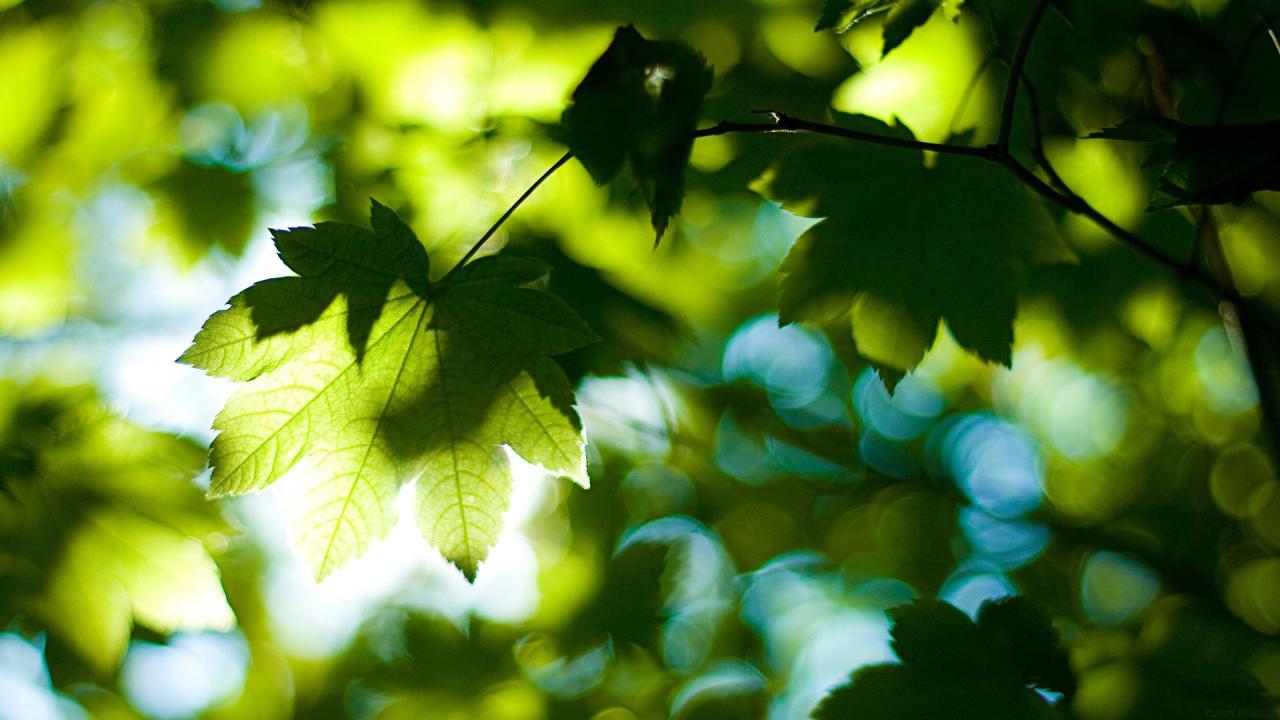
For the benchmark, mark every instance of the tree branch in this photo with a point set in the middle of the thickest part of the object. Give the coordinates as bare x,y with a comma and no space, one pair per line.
787,124
1015,75
783,123
1063,195
1037,138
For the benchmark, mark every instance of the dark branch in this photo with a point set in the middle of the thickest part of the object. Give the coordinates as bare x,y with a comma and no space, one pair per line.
1037,138
1015,75
786,124
783,123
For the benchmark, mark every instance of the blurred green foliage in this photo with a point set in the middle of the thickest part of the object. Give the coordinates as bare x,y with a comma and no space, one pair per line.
768,523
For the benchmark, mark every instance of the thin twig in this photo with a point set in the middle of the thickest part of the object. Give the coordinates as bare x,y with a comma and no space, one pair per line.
520,200
1037,138
1069,200
1015,75
784,123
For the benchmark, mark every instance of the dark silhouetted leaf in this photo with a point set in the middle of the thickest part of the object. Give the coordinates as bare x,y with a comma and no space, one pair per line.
215,206
1025,638
935,635
905,246
640,102
951,667
1206,164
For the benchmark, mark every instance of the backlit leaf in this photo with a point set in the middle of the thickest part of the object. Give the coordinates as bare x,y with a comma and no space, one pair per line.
378,378
120,565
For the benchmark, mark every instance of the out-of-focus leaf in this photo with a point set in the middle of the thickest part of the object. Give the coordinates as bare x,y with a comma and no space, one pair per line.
1004,21
37,273
32,58
640,102
399,380
921,244
1206,164
120,565
726,691
630,600
952,667
215,206
106,520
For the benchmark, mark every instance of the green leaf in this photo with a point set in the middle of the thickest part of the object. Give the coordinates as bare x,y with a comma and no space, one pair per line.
1206,164
933,634
640,102
378,378
908,242
951,667
1024,636
214,206
118,566
888,692
902,17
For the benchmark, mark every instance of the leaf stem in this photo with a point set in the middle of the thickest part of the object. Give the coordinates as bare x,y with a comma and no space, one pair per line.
514,206
1015,75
